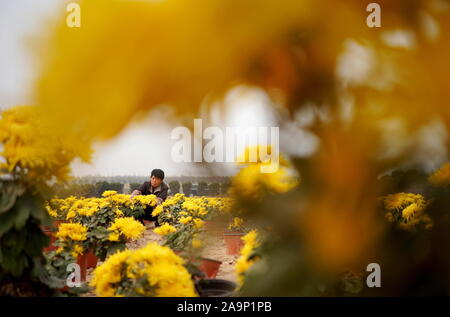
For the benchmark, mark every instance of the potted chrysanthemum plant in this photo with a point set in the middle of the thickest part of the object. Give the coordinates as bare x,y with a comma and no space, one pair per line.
233,236
152,271
187,240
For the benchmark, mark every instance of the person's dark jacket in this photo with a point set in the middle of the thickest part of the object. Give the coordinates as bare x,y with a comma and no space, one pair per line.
160,192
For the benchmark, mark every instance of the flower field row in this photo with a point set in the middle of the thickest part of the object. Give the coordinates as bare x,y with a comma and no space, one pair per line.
104,225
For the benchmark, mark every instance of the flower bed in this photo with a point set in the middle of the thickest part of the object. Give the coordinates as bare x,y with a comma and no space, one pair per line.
93,229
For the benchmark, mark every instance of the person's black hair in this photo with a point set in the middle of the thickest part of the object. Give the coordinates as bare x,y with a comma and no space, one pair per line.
158,173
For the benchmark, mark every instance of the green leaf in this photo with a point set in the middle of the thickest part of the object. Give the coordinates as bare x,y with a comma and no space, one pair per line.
37,210
15,241
14,264
7,221
115,248
99,233
23,209
9,191
36,240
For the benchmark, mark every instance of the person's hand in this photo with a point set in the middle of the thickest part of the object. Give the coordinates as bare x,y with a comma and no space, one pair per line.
135,193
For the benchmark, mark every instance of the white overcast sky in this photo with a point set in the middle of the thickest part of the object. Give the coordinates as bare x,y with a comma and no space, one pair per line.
141,146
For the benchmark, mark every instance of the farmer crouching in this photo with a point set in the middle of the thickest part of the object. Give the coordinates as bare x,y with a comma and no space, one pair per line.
156,187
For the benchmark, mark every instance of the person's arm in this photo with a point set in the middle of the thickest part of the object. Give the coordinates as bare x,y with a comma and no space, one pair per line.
163,195
139,191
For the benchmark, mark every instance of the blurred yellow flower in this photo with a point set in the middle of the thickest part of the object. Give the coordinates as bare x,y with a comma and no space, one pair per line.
139,74
196,243
198,223
244,263
109,193
441,177
32,149
250,183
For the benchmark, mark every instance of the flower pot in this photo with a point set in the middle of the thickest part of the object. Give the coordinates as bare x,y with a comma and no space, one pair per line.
215,287
177,252
92,259
82,261
50,232
86,261
233,242
51,246
210,267
56,223
147,222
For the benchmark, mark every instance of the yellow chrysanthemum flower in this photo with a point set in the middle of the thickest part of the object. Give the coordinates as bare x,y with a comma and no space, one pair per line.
236,224
190,206
407,208
88,208
400,200
159,209
165,229
118,212
114,236
146,200
185,220
109,193
198,223
77,250
109,274
51,211
74,231
162,269
128,227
